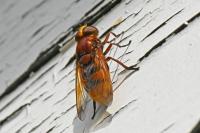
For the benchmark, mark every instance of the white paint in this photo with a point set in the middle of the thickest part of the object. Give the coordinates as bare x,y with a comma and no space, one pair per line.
165,91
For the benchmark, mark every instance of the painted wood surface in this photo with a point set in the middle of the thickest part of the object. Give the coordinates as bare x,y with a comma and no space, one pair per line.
36,42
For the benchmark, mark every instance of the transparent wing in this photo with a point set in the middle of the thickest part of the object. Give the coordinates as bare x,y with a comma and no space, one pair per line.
80,94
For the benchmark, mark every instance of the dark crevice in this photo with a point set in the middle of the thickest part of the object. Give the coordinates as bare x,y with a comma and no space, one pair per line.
8,91
13,100
42,35
63,113
161,25
33,8
128,2
43,84
180,28
42,94
118,111
71,60
135,24
61,79
40,29
22,127
51,52
123,108
12,116
98,14
15,113
73,106
196,129
45,99
114,26
59,101
10,102
176,31
124,79
40,124
167,128
72,80
33,68
51,129
148,1
152,49
93,8
63,131
194,17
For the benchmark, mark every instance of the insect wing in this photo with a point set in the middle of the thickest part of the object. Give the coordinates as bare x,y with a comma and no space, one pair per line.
101,92
80,94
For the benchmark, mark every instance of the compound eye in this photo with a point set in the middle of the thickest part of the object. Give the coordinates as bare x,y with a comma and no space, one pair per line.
90,30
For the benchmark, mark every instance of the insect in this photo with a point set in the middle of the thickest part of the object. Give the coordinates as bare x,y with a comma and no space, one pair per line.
92,70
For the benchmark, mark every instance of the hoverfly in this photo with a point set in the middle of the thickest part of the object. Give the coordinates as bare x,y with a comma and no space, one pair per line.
92,70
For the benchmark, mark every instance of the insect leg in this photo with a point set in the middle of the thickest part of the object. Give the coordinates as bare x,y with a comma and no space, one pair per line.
107,37
107,49
120,46
116,44
133,67
94,106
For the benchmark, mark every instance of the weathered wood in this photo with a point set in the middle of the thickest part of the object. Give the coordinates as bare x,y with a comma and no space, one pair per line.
36,42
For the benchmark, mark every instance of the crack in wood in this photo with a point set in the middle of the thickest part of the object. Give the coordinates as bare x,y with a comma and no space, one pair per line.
43,84
160,43
167,128
42,36
33,8
194,17
196,129
45,99
92,9
63,113
59,101
176,31
51,129
162,24
69,109
40,29
135,24
124,78
128,2
123,108
180,28
115,26
64,129
98,14
117,112
22,127
65,76
8,91
15,113
12,115
40,124
51,52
